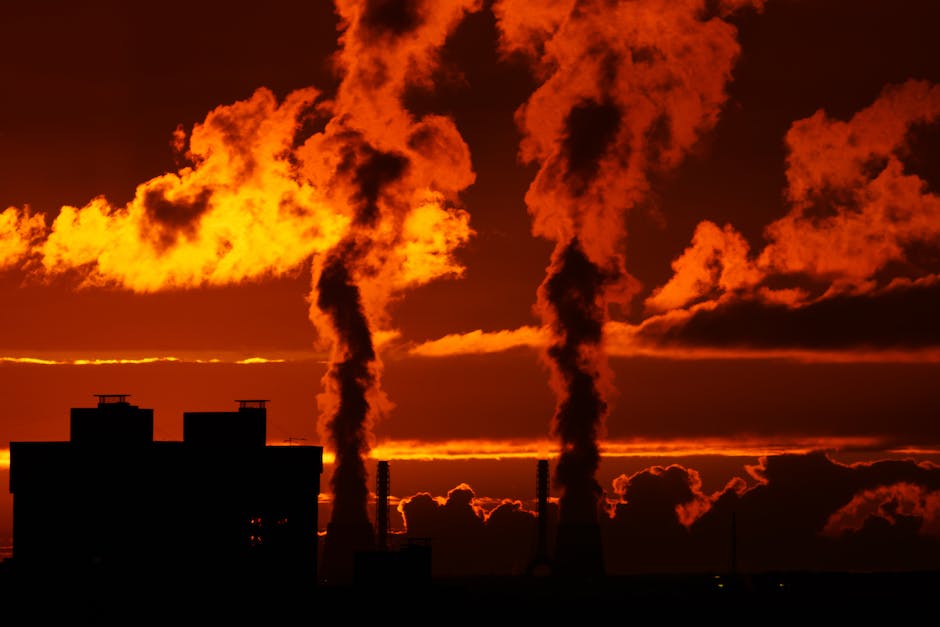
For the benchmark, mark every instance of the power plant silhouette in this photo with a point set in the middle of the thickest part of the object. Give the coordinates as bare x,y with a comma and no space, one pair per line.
224,522
221,501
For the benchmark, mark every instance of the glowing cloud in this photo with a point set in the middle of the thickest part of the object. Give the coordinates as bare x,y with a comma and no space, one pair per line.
737,445
134,361
856,222
685,484
479,341
716,262
239,212
854,208
888,503
19,231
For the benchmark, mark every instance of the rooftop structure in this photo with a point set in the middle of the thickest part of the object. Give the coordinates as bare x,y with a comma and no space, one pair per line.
219,502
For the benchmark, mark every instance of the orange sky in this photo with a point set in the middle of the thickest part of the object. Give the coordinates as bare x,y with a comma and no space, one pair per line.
772,218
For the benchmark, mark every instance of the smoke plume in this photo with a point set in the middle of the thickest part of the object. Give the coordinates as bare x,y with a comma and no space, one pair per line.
628,88
398,177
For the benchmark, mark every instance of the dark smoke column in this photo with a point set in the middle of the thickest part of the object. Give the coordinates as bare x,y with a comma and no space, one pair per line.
573,301
572,306
351,377
396,177
627,88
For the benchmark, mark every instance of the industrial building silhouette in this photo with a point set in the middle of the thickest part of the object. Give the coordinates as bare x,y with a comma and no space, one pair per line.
386,565
221,503
228,525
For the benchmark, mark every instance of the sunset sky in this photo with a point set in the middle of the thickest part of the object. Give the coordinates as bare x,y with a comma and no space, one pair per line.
755,185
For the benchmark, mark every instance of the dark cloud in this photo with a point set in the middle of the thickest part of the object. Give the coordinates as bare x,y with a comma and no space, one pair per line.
892,533
511,533
465,539
663,522
455,529
899,318
645,534
780,522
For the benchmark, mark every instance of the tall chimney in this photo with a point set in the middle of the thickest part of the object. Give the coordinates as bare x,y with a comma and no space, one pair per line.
381,506
541,559
734,544
541,492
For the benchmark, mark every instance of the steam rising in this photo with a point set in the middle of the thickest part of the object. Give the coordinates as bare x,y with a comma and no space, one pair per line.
628,88
390,170
571,298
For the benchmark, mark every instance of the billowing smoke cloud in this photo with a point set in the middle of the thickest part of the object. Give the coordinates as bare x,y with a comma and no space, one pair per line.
628,89
19,230
859,224
238,212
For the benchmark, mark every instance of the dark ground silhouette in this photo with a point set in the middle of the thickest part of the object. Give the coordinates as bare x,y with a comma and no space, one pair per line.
39,597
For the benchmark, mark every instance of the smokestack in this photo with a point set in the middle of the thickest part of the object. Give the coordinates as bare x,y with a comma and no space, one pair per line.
381,506
541,559
541,493
734,544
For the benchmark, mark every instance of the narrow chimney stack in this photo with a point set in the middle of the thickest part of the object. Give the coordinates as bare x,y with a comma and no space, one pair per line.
734,544
381,506
541,491
541,562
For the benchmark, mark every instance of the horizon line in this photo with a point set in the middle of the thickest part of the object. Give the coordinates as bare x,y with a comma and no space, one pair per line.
544,448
